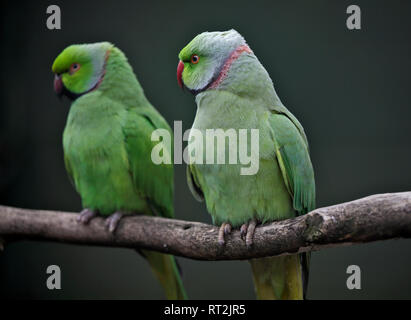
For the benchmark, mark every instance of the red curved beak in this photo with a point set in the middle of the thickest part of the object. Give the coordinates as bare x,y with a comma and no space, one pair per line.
58,85
180,69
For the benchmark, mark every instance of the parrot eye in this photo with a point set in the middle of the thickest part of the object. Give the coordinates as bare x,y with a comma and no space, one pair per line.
194,59
74,67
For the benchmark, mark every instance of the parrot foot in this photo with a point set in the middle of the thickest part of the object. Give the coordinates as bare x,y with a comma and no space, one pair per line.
112,221
225,228
243,230
86,215
247,232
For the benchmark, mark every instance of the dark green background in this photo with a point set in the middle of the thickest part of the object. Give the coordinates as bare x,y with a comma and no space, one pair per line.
350,90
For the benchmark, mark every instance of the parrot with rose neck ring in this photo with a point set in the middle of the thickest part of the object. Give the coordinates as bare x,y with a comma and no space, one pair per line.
233,90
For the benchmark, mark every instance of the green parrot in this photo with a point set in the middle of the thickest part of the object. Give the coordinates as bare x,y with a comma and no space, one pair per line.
234,91
107,145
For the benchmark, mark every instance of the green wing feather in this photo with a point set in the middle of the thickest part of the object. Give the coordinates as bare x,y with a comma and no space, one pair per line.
280,109
193,184
156,181
294,160
68,169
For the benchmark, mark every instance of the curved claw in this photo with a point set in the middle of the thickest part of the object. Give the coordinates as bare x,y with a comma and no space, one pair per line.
250,233
112,221
243,230
86,215
225,228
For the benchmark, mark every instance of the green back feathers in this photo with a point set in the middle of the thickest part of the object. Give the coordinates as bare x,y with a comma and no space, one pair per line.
155,181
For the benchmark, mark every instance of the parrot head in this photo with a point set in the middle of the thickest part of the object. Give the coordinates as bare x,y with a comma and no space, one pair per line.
206,59
80,68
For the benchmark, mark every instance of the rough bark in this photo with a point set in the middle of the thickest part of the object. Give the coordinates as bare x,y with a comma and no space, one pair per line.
377,217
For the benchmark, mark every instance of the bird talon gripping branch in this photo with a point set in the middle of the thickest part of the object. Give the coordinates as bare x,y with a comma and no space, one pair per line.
86,215
224,230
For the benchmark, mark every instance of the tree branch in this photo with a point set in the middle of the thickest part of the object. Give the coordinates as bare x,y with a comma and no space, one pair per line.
377,217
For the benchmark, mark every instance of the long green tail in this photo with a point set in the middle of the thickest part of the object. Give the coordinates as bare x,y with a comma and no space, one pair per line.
279,278
165,269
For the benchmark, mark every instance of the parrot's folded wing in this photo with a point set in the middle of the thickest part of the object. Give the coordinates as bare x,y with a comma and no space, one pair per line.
69,169
193,185
294,160
155,181
280,109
